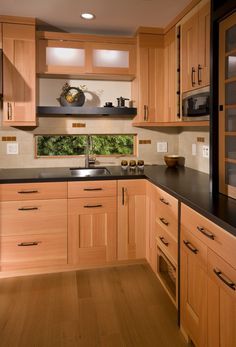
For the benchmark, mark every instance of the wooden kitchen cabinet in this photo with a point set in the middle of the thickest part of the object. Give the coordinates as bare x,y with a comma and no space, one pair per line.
193,300
195,51
170,77
151,229
92,218
19,74
33,231
147,88
131,227
88,56
221,302
211,320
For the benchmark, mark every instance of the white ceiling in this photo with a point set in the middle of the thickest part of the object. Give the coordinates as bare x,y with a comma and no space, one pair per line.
121,17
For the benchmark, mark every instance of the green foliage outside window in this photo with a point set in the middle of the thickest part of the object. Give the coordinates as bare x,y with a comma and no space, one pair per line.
72,145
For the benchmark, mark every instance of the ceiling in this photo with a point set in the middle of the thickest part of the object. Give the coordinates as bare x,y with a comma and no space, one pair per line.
121,17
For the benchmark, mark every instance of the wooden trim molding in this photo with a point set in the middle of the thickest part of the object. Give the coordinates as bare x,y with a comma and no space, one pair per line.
17,20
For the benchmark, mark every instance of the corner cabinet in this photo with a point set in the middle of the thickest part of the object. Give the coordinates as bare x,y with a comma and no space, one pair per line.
227,106
86,56
195,50
19,74
147,88
131,232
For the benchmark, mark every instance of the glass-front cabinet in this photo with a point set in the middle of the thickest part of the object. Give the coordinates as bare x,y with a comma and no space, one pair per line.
227,106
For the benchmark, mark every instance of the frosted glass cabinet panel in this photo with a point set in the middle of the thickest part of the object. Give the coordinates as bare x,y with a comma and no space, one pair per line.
62,56
110,58
227,106
113,58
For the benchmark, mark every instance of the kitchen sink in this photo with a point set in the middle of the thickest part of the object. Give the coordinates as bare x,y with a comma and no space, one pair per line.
89,172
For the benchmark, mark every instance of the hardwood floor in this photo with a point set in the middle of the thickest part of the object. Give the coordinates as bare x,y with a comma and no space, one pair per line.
111,307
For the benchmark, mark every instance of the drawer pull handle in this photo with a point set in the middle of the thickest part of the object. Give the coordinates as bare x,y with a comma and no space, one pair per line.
190,246
224,279
163,241
27,191
206,233
92,206
164,201
164,221
28,208
91,189
26,244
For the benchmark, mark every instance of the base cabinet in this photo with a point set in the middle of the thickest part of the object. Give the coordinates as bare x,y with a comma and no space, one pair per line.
92,231
131,232
193,270
221,302
208,281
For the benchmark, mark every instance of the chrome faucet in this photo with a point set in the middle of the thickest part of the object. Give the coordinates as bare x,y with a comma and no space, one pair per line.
89,160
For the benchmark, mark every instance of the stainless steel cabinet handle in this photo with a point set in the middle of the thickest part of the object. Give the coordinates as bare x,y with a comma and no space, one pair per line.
206,232
26,244
163,241
91,189
193,76
164,201
9,111
190,246
123,196
92,206
28,208
225,279
164,221
199,75
145,112
27,191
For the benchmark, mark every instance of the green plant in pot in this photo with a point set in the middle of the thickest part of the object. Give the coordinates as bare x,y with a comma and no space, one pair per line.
72,96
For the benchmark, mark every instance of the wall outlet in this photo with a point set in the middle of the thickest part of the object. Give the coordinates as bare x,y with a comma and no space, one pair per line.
12,148
162,147
194,149
205,151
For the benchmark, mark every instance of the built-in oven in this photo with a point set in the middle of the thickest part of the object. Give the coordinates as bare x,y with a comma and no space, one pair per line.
196,105
167,273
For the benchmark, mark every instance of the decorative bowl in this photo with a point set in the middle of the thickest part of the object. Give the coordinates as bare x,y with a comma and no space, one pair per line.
172,160
71,96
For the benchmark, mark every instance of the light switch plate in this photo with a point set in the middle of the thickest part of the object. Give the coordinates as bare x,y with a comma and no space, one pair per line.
205,151
162,147
12,148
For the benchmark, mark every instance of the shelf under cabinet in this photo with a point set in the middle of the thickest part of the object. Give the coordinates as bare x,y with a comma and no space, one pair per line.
171,124
60,111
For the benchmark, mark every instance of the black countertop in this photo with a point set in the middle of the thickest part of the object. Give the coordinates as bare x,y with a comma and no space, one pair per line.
189,186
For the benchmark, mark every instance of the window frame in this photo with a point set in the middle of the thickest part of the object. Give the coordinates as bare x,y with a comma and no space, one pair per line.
135,147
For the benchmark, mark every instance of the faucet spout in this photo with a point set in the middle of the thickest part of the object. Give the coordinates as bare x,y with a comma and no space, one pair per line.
88,146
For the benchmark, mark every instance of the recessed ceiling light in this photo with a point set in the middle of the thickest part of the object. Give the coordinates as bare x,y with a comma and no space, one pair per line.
87,16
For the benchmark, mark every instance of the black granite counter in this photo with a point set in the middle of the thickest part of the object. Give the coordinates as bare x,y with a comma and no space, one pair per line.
189,186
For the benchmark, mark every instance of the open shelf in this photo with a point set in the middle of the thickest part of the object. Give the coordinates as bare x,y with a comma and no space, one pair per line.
171,124
48,111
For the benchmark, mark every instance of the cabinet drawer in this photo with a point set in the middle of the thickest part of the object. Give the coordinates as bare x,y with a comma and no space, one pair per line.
29,251
167,243
167,212
92,205
222,272
193,246
33,191
89,189
33,216
219,240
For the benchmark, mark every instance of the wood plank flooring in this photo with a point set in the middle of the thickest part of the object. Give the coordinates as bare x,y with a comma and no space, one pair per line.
111,307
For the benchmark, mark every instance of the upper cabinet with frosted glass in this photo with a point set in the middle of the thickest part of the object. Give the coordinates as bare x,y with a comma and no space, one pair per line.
227,108
86,56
